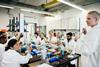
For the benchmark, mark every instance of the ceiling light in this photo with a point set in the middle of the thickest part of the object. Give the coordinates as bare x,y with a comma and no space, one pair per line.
72,5
3,6
36,11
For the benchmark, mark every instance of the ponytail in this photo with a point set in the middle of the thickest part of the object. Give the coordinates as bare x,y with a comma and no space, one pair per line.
7,48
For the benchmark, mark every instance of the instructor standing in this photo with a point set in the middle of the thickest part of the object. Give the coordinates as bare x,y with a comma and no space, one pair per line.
90,50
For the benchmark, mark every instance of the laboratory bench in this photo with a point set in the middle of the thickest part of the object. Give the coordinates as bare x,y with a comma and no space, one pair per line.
62,62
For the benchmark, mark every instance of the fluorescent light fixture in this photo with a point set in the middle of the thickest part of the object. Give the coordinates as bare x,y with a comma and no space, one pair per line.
4,6
72,5
36,11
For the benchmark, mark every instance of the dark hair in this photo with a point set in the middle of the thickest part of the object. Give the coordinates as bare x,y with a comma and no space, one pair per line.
36,33
84,31
3,37
70,34
54,34
21,35
1,34
10,44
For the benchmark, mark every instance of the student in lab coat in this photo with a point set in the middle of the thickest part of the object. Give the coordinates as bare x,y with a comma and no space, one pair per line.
70,46
90,49
54,40
3,40
69,42
11,57
37,39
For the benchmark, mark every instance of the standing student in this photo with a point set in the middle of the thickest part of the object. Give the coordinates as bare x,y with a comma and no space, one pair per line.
3,40
11,57
70,45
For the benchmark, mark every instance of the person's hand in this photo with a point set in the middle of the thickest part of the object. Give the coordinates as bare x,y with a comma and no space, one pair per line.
30,48
69,51
21,35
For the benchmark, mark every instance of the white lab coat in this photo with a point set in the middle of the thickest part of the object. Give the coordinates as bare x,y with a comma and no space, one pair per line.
44,54
2,49
43,44
54,39
53,42
90,48
80,42
12,58
37,41
71,45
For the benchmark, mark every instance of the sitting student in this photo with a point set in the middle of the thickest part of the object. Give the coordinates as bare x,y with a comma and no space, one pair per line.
11,57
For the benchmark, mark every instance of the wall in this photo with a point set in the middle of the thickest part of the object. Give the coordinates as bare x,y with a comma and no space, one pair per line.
3,17
6,14
70,19
63,20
